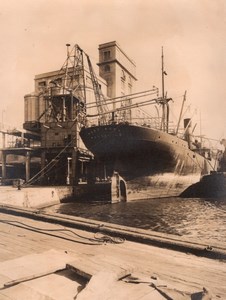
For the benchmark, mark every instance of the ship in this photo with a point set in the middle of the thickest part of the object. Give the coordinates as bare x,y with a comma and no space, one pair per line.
99,147
211,186
153,159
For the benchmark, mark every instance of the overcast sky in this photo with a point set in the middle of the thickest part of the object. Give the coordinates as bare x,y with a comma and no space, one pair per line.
192,32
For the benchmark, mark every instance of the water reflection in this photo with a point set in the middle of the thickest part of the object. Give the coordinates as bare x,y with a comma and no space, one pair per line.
204,219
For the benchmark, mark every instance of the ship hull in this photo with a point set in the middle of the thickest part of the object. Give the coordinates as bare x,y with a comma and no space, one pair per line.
153,163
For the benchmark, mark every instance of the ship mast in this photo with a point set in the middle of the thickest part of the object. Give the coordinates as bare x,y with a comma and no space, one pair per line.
163,91
164,102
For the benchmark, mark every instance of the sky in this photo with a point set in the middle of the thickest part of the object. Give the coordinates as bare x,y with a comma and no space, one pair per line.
192,33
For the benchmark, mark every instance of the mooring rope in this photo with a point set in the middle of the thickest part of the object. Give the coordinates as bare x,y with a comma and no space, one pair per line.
91,241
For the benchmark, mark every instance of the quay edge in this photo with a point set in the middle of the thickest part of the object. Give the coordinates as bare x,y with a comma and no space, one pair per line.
157,239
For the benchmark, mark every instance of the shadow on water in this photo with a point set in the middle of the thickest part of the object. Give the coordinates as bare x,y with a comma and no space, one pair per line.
200,218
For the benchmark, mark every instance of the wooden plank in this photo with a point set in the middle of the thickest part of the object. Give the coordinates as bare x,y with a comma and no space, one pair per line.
22,245
134,291
5,254
33,266
89,267
3,280
105,286
57,286
99,286
61,285
21,293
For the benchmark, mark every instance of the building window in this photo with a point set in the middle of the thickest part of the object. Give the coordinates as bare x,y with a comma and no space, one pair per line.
58,80
129,88
109,92
107,68
123,75
122,84
107,55
42,83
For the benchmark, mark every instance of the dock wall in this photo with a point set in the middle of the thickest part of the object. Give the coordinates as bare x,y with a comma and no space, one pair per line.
34,197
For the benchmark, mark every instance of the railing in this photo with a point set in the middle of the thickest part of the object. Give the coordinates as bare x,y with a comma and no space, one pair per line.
151,122
22,144
13,138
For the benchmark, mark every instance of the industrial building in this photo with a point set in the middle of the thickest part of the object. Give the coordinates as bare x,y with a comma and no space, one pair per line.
117,69
49,149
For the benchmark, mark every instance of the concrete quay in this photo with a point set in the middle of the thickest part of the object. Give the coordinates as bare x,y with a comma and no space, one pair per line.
34,197
43,258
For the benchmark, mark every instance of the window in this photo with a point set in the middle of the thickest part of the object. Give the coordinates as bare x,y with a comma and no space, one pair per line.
123,75
109,92
42,84
122,84
107,55
107,68
58,80
129,89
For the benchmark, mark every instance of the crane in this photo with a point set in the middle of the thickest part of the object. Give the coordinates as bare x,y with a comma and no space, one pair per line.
101,104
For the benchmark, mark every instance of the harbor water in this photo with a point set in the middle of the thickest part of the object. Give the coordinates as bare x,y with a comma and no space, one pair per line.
202,219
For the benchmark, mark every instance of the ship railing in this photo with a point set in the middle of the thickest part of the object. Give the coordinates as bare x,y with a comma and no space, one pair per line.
153,122
202,151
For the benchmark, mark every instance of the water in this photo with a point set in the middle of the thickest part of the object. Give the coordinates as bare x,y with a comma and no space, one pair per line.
202,219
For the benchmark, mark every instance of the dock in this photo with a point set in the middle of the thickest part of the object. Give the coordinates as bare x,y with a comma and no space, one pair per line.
58,257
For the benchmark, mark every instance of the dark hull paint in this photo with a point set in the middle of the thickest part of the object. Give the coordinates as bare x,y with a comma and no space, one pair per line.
210,186
153,163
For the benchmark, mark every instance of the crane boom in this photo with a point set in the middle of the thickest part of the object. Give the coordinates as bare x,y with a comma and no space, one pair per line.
99,97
